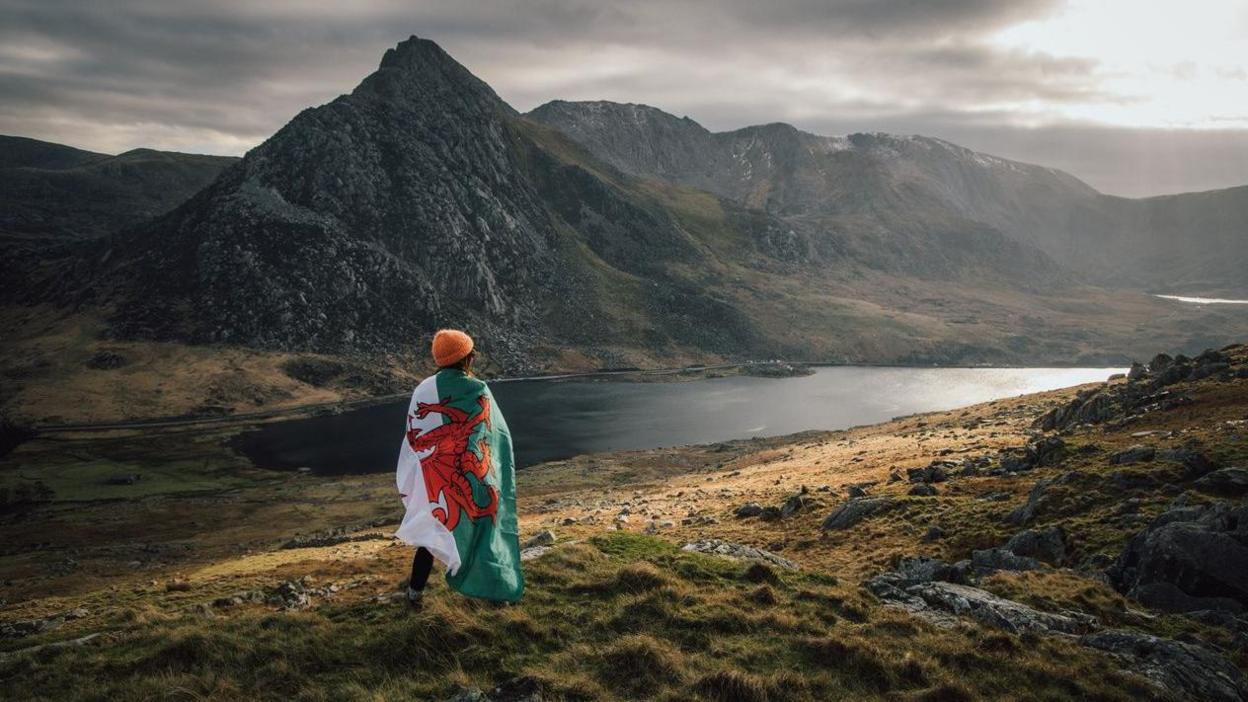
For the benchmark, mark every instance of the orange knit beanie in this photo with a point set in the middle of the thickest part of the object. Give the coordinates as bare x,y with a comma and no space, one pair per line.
450,346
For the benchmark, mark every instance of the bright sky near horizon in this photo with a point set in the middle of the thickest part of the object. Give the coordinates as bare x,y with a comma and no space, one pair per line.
1158,64
1138,97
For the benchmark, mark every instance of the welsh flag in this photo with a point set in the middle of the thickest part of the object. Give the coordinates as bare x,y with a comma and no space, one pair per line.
456,476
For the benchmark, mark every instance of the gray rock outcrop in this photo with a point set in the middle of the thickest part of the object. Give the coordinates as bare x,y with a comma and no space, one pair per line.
728,549
854,511
1226,481
1183,668
1189,558
1048,545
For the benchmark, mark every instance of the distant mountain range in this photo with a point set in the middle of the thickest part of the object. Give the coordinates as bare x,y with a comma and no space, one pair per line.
59,191
1192,241
606,234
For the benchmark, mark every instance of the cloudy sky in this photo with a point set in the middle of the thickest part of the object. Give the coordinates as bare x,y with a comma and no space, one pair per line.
1138,97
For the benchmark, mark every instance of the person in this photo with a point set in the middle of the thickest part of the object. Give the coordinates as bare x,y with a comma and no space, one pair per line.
456,478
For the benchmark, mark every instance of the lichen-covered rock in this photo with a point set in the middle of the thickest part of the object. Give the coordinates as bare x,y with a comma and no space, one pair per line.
918,587
728,549
987,608
1181,668
992,559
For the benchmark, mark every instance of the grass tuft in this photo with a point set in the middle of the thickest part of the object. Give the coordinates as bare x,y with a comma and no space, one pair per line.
638,577
641,665
732,686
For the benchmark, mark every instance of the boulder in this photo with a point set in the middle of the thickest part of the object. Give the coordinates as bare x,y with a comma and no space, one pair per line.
1048,545
1088,407
854,511
1138,453
749,509
993,559
1043,495
1047,451
934,473
1227,481
728,549
1184,669
797,503
916,570
923,490
1187,559
1175,372
1015,460
545,537
1195,463
991,610
1159,363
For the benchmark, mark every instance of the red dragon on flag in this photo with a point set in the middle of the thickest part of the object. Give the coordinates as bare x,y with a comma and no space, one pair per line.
446,470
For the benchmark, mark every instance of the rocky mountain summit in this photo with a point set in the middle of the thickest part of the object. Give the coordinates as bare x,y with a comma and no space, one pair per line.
417,200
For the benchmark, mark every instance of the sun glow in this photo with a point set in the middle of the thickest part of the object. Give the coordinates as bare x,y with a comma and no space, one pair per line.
1158,63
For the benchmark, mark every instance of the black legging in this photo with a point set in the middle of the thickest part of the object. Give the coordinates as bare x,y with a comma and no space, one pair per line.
422,563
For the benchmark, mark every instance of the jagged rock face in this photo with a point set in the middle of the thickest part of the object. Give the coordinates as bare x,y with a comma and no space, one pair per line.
370,218
419,200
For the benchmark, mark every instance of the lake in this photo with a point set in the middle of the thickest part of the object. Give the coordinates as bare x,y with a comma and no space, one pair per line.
554,420
1203,300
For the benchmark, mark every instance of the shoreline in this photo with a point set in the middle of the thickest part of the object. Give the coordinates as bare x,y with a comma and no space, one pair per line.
339,406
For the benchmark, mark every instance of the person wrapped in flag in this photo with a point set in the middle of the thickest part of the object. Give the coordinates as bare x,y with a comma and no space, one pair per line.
456,477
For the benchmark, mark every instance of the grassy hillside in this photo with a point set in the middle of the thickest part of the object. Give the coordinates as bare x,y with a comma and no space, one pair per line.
209,578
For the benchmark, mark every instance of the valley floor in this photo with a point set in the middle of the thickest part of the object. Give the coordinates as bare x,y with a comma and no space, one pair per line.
208,578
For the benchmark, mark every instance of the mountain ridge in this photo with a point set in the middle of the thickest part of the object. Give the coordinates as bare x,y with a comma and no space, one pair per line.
1106,239
421,199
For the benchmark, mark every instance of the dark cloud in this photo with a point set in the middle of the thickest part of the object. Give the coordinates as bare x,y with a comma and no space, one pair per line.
221,76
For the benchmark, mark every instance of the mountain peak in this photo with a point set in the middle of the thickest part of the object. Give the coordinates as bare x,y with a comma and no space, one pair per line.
418,69
415,52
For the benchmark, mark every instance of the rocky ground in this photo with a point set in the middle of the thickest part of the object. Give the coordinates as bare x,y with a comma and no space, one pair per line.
1086,543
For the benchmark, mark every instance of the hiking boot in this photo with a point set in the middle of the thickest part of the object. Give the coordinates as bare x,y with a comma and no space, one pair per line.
415,597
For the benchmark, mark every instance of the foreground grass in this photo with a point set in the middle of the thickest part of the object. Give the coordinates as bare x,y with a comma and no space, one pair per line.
620,616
